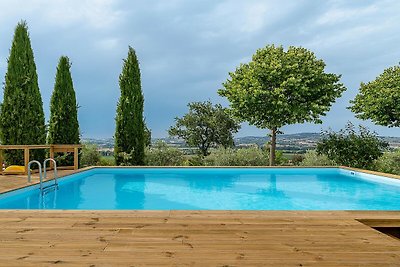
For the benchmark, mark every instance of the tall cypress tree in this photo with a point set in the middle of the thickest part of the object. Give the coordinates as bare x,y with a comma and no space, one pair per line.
63,124
129,132
22,119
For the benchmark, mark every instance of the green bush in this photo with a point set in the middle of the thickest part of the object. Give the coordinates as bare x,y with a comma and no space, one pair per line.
237,157
312,158
106,161
351,148
162,155
90,156
389,162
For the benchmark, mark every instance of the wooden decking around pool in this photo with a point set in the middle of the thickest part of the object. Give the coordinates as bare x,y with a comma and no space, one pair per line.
196,238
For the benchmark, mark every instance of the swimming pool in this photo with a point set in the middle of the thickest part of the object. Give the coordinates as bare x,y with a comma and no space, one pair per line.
213,189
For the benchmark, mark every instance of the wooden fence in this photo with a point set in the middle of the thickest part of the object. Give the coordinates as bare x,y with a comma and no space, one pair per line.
53,149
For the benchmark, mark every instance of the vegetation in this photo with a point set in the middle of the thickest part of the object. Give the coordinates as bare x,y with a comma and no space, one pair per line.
237,157
389,162
312,158
162,155
130,130
90,156
22,119
205,126
280,87
351,148
379,100
63,125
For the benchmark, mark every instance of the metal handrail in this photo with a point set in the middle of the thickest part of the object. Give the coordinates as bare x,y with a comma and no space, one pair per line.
55,170
40,173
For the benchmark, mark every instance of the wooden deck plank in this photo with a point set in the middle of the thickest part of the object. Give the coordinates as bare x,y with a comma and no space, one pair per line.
193,238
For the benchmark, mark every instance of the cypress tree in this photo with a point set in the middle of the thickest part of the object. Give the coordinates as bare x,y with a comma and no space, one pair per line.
63,124
129,132
22,119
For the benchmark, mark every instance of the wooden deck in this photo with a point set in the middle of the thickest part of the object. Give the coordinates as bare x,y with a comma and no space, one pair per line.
194,238
10,182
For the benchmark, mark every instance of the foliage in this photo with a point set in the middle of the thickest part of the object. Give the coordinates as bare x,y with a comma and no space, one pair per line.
379,100
22,119
106,161
63,124
297,159
237,157
351,148
163,155
130,130
90,156
147,136
205,126
389,162
280,87
312,158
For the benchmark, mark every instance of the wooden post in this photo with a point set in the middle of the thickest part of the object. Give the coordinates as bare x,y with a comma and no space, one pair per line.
1,161
26,159
51,156
76,162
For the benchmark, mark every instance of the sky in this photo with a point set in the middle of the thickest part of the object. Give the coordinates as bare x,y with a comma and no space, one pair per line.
187,48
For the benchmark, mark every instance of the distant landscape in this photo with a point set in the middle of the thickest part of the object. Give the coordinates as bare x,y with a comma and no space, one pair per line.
288,143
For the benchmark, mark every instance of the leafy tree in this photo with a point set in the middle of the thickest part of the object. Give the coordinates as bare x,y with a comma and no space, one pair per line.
205,126
351,148
130,129
379,100
280,87
63,125
22,119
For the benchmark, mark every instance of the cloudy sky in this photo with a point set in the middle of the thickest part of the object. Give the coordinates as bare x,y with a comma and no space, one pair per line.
187,47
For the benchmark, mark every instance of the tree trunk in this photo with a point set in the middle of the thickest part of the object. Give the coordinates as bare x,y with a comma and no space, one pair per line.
272,147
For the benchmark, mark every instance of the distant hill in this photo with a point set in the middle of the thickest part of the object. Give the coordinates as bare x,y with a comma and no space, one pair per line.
298,142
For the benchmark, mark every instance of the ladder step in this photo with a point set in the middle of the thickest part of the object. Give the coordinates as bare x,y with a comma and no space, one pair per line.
50,187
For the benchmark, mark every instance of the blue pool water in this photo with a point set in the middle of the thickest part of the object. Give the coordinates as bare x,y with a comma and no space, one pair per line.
213,189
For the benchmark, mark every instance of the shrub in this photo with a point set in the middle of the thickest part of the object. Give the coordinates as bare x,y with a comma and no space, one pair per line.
90,156
351,148
163,155
237,157
312,158
106,161
389,162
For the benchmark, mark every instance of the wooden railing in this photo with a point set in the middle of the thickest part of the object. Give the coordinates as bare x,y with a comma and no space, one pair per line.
53,149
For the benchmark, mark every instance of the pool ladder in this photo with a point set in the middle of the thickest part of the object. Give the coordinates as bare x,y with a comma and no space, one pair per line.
43,189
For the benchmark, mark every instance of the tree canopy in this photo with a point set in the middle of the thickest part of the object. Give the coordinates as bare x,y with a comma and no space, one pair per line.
22,119
351,148
205,126
279,87
63,124
130,136
379,100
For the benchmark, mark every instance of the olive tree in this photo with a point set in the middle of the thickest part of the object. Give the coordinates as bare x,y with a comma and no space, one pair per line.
205,126
379,100
279,87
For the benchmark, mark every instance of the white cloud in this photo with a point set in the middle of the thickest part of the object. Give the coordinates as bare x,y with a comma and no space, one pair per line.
97,14
342,14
